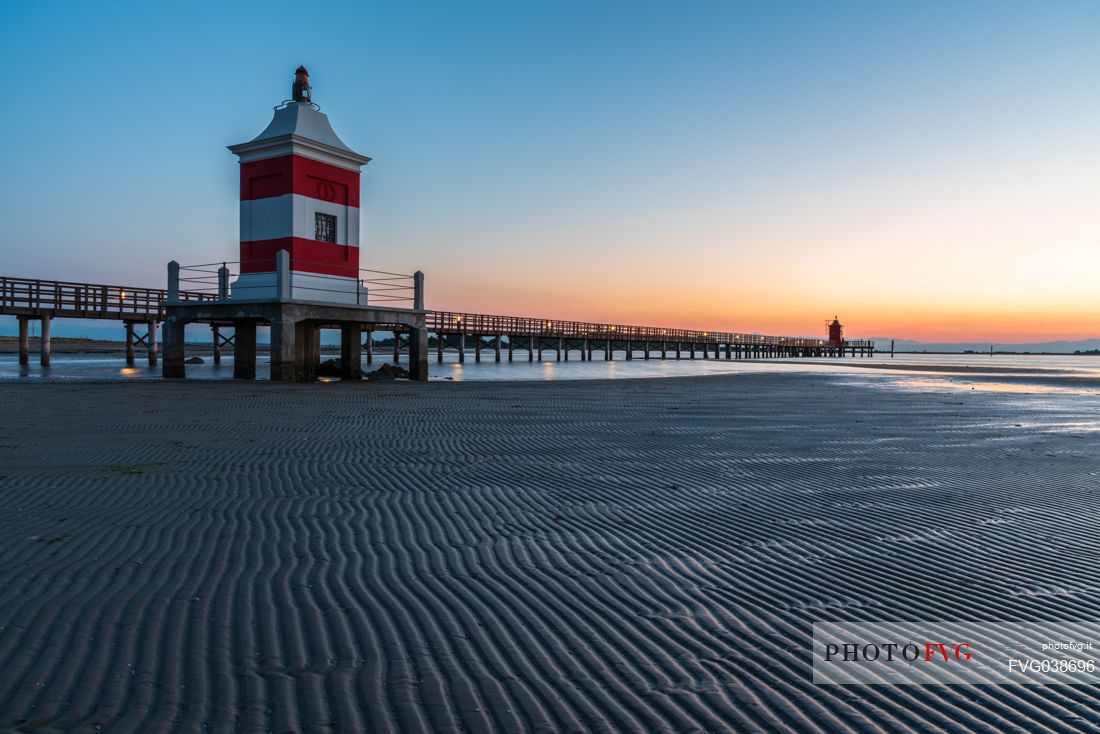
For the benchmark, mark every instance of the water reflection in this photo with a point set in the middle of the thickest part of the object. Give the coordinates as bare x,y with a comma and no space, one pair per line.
1010,374
1020,387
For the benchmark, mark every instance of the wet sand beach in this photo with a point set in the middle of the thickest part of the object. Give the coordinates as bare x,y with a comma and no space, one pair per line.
626,555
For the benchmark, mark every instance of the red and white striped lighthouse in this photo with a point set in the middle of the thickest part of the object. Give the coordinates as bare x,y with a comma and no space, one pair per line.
299,193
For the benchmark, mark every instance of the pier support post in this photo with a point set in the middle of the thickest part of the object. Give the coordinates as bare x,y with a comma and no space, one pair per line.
24,341
244,350
129,342
151,343
282,351
351,351
439,348
559,350
44,349
629,350
511,343
496,347
396,347
678,345
174,366
462,348
607,351
531,349
215,332
370,346
418,354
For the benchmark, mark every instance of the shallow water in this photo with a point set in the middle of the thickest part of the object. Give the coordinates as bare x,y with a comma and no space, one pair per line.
1062,374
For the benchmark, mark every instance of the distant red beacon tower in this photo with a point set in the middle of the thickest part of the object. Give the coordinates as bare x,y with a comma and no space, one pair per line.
836,331
299,193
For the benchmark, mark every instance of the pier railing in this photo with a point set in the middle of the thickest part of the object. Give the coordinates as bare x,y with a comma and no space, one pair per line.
460,322
84,300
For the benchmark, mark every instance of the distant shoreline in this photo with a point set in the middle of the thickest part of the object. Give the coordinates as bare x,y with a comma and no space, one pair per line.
84,345
80,345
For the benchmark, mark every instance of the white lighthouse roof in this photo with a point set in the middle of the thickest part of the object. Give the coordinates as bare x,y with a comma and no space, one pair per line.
305,121
300,128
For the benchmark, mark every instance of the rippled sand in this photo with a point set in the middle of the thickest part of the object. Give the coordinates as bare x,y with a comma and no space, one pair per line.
578,556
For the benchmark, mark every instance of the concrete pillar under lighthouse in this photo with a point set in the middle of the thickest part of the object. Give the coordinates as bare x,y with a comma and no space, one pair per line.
244,349
282,350
418,354
174,354
350,351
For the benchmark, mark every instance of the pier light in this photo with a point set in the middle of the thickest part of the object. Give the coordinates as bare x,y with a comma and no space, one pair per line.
122,295
458,318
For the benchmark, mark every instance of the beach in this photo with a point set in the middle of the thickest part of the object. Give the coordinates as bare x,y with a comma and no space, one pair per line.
590,555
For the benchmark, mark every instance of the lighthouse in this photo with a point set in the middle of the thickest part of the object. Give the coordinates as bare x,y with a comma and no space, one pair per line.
299,267
299,193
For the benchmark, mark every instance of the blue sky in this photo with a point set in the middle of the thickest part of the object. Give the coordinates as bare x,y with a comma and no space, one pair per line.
731,165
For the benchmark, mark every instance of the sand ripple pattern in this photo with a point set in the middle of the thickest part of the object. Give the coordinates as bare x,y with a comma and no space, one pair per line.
564,557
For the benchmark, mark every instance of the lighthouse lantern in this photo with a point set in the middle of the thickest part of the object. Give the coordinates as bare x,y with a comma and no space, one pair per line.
301,90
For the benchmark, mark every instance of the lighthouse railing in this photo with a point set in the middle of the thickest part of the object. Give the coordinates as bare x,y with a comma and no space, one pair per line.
303,279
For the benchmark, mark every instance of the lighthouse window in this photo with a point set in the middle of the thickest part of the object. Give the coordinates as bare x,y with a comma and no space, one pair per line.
325,227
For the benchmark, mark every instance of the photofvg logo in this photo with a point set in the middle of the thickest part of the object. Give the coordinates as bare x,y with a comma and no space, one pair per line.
910,652
962,653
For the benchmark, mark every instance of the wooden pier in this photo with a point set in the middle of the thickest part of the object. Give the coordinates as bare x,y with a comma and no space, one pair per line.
44,300
143,310
460,331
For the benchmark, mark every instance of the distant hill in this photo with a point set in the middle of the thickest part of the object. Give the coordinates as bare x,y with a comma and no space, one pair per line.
113,330
1057,347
